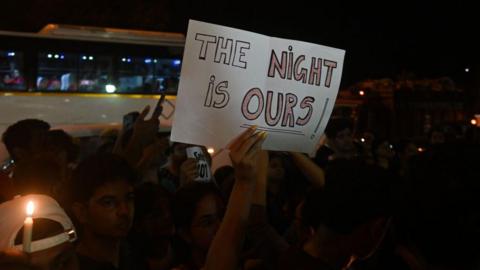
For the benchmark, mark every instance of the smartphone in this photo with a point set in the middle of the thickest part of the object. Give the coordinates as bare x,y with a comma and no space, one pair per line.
129,120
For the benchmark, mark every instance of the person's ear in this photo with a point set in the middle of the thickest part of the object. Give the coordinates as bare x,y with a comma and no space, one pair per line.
80,212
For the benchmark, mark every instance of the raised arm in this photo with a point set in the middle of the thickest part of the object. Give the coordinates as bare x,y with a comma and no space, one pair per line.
225,250
266,243
260,192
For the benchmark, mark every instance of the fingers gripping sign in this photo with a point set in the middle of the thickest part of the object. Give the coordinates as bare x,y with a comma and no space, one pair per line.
244,153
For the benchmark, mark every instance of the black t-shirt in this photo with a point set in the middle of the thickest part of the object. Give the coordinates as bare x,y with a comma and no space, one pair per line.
128,261
85,263
297,259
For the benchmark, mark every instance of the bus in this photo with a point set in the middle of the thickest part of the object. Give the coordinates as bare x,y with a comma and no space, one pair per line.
82,79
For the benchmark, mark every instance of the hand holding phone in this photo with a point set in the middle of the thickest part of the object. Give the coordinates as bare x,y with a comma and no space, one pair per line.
129,120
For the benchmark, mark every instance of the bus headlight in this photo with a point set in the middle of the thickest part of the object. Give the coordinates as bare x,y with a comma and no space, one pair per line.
110,88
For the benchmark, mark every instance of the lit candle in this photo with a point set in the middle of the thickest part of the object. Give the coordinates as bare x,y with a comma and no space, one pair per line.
27,228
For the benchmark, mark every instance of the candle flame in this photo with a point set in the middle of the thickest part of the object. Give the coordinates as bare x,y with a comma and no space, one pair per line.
30,208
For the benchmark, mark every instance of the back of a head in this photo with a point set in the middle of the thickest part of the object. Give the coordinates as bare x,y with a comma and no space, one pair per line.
354,194
336,125
59,141
97,170
441,217
37,175
20,134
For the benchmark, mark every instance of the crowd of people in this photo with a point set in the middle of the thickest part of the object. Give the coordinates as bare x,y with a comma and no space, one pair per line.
134,202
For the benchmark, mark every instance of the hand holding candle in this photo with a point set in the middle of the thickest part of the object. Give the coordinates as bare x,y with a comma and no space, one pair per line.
27,228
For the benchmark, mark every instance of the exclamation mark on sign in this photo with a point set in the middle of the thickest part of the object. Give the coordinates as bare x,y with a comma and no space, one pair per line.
321,118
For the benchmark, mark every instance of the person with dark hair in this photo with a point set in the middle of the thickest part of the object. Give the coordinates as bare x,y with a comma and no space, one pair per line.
197,212
440,214
102,203
60,145
21,139
153,228
38,175
339,143
347,219
46,171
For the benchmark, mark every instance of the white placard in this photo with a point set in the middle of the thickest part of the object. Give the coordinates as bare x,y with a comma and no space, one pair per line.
232,79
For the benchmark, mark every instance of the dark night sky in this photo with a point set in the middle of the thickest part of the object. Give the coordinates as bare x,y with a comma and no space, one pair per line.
381,40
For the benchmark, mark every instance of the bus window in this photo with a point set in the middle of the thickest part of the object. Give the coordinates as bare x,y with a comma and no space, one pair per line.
136,74
148,74
57,71
167,73
95,73
11,70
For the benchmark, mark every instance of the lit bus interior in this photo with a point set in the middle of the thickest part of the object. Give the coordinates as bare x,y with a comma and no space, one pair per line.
90,60
83,78
91,73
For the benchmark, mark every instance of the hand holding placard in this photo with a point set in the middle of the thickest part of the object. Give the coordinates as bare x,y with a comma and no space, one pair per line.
244,153
201,166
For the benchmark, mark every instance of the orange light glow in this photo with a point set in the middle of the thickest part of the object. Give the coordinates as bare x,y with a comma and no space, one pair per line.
30,208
